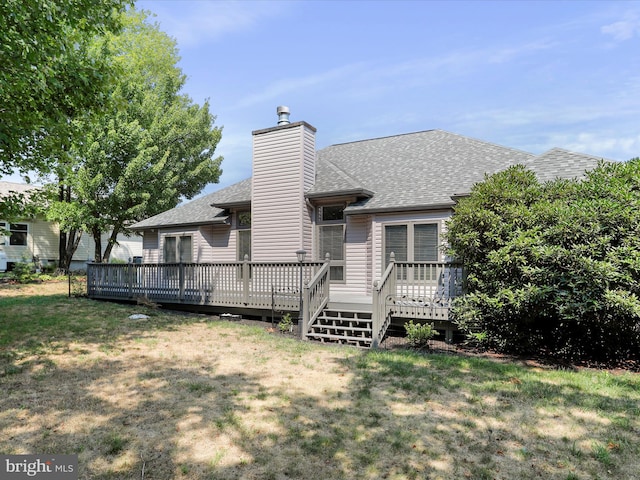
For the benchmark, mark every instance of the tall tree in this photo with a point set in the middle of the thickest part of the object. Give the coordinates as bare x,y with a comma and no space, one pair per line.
152,147
48,73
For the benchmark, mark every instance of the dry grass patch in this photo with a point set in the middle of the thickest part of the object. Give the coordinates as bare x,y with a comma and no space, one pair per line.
198,398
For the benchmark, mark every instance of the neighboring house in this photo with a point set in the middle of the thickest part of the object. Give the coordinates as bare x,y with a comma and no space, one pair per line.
36,237
357,201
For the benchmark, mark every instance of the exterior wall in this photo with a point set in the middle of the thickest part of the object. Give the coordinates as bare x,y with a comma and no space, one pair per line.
379,220
43,241
150,246
196,240
210,243
358,249
283,167
218,244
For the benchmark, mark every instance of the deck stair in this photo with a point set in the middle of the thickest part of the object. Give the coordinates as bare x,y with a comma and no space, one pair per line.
352,327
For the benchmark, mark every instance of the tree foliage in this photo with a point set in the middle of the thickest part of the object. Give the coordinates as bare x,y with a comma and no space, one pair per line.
552,267
49,72
151,146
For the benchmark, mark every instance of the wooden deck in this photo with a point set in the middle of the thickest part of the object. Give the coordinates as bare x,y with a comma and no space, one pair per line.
421,291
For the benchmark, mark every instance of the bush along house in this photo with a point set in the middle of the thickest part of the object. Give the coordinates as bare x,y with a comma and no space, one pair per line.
349,237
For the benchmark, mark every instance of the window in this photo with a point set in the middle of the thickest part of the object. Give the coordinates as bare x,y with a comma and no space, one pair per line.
17,233
243,222
331,232
244,244
413,242
178,249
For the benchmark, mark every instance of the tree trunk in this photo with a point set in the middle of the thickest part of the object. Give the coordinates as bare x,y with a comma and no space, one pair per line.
68,241
97,240
112,241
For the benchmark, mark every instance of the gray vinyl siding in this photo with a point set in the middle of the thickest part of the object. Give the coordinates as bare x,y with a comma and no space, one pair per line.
280,219
380,220
358,250
194,233
217,244
150,246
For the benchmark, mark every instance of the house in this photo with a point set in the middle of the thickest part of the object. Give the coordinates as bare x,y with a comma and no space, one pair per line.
367,204
31,238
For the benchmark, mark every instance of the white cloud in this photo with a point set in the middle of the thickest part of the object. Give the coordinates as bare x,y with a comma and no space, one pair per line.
286,86
200,22
507,54
625,29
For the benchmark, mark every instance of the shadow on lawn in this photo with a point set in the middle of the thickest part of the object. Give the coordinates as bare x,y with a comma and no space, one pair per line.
399,415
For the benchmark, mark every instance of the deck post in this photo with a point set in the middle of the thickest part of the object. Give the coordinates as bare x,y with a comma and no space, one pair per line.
305,312
181,281
130,278
245,279
375,314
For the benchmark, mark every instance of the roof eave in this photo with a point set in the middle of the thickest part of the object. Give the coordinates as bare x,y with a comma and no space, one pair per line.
227,205
358,192
218,221
413,208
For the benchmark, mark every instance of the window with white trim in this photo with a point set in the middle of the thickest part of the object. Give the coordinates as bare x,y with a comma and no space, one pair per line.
243,226
178,249
17,233
411,242
331,239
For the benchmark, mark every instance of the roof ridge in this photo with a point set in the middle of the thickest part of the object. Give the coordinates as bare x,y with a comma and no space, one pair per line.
564,150
504,147
344,175
381,138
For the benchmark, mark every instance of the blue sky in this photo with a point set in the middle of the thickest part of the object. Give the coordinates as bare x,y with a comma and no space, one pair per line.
529,75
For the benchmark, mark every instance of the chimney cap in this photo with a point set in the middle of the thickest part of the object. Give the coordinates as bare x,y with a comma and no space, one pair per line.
283,115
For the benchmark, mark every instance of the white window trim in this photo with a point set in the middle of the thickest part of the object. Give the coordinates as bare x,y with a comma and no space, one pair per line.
177,236
6,238
327,223
410,237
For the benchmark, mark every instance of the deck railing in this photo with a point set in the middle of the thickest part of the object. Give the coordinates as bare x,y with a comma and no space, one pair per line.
316,297
262,285
420,290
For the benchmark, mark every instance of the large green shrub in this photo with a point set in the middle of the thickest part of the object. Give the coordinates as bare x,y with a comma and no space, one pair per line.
552,267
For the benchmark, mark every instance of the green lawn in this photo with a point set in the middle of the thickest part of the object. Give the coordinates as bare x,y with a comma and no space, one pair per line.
197,398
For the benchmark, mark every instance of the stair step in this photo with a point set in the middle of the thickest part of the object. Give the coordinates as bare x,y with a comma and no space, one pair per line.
345,319
348,339
347,314
341,327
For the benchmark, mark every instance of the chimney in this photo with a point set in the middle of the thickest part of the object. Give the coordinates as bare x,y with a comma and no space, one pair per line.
283,115
284,166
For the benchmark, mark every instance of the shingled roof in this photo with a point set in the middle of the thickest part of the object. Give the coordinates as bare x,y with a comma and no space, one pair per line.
560,163
9,188
201,210
413,171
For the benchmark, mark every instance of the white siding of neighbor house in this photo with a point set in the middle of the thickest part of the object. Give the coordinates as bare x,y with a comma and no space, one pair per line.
43,240
283,166
380,220
125,249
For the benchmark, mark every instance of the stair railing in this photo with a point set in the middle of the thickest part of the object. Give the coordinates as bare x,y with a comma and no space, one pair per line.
316,296
382,290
